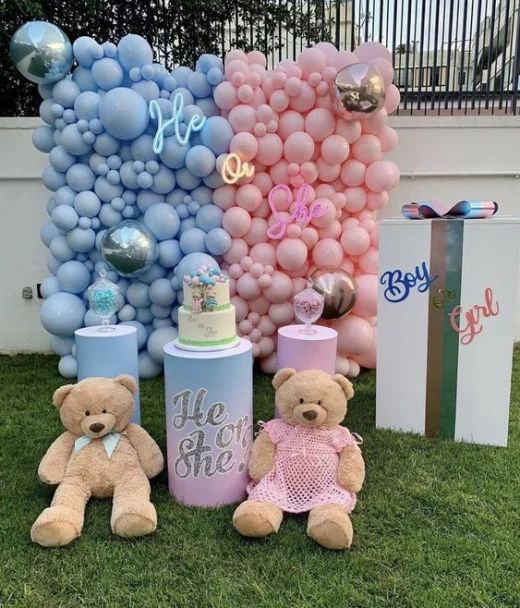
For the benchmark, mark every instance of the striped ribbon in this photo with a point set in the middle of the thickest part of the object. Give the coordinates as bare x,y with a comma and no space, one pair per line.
466,210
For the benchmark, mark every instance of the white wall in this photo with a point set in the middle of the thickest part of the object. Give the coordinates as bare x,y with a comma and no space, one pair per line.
444,158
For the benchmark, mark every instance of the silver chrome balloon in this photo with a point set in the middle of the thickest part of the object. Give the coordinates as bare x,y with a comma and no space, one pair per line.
359,91
129,248
41,52
339,290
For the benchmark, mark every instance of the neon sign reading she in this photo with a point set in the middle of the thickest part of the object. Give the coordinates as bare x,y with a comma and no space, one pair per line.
234,168
301,212
195,123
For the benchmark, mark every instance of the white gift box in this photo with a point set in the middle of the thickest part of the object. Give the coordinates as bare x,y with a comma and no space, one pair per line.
446,305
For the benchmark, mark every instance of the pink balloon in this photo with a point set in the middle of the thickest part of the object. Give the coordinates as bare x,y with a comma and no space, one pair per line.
293,86
224,197
236,252
266,326
236,66
376,123
245,93
235,271
392,98
247,287
347,265
309,172
264,253
245,145
376,200
257,57
236,221
355,241
236,54
249,198
260,305
385,69
327,253
328,49
368,51
289,122
257,232
299,284
350,130
298,147
270,149
388,138
368,359
324,191
328,217
266,345
366,300
355,334
311,60
225,95
305,100
367,148
381,175
326,172
320,123
344,58
279,100
309,236
334,149
281,313
356,199
353,172
332,231
369,261
269,364
244,327
242,118
263,182
241,308
291,253
281,288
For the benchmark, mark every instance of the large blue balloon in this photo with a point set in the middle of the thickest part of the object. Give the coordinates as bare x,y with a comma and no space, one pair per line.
62,313
124,113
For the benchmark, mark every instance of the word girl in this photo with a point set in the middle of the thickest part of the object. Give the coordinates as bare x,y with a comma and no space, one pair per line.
473,317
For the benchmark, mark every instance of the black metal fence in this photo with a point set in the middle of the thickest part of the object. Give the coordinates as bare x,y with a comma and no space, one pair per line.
450,56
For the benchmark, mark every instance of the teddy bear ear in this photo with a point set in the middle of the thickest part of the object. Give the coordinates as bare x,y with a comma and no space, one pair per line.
345,384
282,375
61,393
128,382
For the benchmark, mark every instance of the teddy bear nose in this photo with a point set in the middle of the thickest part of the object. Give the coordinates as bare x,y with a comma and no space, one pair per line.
96,427
310,414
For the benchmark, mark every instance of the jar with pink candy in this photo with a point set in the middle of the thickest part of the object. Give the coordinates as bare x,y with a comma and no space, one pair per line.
308,307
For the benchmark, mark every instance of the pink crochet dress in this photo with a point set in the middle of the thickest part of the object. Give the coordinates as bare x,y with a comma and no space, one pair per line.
305,468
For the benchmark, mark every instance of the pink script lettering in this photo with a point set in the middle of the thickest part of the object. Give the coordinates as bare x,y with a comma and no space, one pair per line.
474,317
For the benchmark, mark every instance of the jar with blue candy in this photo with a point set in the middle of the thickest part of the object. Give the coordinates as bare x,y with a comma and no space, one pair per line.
102,297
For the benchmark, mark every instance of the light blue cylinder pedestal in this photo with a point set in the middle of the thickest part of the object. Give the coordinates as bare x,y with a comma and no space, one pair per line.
209,416
107,354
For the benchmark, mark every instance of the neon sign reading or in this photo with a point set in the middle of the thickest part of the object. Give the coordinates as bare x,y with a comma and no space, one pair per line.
235,168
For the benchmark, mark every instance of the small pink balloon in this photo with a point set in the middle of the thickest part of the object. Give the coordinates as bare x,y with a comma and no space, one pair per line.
355,334
311,60
256,350
224,197
339,200
392,98
320,123
265,280
309,172
350,130
258,98
266,326
289,122
245,145
294,231
260,129
279,79
334,149
293,86
236,221
264,253
329,73
293,169
374,236
247,287
305,100
347,265
381,175
332,231
299,284
245,326
279,172
376,123
238,79
254,318
368,224
235,271
291,253
356,199
280,289
254,79
281,313
260,305
256,269
279,100
255,335
235,66
327,173
225,95
323,89
246,262
263,182
236,54
298,147
269,365
249,198
270,149
257,232
266,345
328,217
388,138
344,58
353,172
355,241
367,148
242,118
366,300
368,359
241,308
385,69
368,51
272,126
377,200
314,79
327,253
349,222
310,236
236,252
368,261
265,113
257,57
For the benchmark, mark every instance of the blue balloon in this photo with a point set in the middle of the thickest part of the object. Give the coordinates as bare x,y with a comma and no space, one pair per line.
123,112
68,366
49,286
163,181
142,336
186,180
192,262
209,107
81,240
134,51
86,105
158,339
65,92
215,76
137,294
161,293
202,194
64,217
42,138
91,319
213,180
218,241
127,313
173,153
107,73
71,139
62,313
107,191
216,134
73,277
162,220
86,51
52,179
83,78
209,217
48,232
147,89
193,240
46,113
61,346
145,199
170,253
148,368
80,177
108,216
64,196
187,224
181,75
142,148
198,84
60,159
87,204
106,144
200,161
153,273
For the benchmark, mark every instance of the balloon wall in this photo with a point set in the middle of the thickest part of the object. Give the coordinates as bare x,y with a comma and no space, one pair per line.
276,174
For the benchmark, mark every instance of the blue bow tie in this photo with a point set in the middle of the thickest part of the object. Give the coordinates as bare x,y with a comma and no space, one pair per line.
109,441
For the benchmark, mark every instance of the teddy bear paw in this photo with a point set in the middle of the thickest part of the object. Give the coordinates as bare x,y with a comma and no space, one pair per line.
330,527
257,519
56,526
135,520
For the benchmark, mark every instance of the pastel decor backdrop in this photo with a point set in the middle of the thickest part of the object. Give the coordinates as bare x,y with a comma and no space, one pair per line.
209,416
107,354
447,291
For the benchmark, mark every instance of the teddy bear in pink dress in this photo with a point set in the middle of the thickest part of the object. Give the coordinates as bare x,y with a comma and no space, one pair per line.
305,461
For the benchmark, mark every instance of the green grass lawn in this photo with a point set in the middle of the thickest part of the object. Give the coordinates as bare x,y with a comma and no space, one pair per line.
437,523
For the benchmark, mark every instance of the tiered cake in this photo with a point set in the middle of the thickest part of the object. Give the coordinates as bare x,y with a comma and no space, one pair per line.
206,317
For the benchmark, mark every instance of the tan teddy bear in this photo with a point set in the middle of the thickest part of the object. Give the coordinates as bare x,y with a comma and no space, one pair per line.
101,454
305,461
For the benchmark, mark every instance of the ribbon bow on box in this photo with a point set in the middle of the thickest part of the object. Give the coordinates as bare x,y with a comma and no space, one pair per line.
465,210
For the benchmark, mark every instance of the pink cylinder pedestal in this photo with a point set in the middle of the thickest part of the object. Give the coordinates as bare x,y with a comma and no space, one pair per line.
303,351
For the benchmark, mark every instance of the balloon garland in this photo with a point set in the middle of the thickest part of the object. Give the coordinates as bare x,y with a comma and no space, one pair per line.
278,174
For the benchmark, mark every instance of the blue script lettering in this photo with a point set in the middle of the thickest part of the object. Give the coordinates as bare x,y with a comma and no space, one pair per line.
195,124
399,283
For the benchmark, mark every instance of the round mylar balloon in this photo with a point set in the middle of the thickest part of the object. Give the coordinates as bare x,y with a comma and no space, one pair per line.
129,248
359,91
339,290
41,52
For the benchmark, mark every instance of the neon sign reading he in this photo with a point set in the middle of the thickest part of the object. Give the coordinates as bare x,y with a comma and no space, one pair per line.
301,213
234,168
195,124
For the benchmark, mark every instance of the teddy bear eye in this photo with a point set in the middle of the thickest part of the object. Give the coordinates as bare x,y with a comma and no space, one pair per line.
87,413
104,411
301,399
319,402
